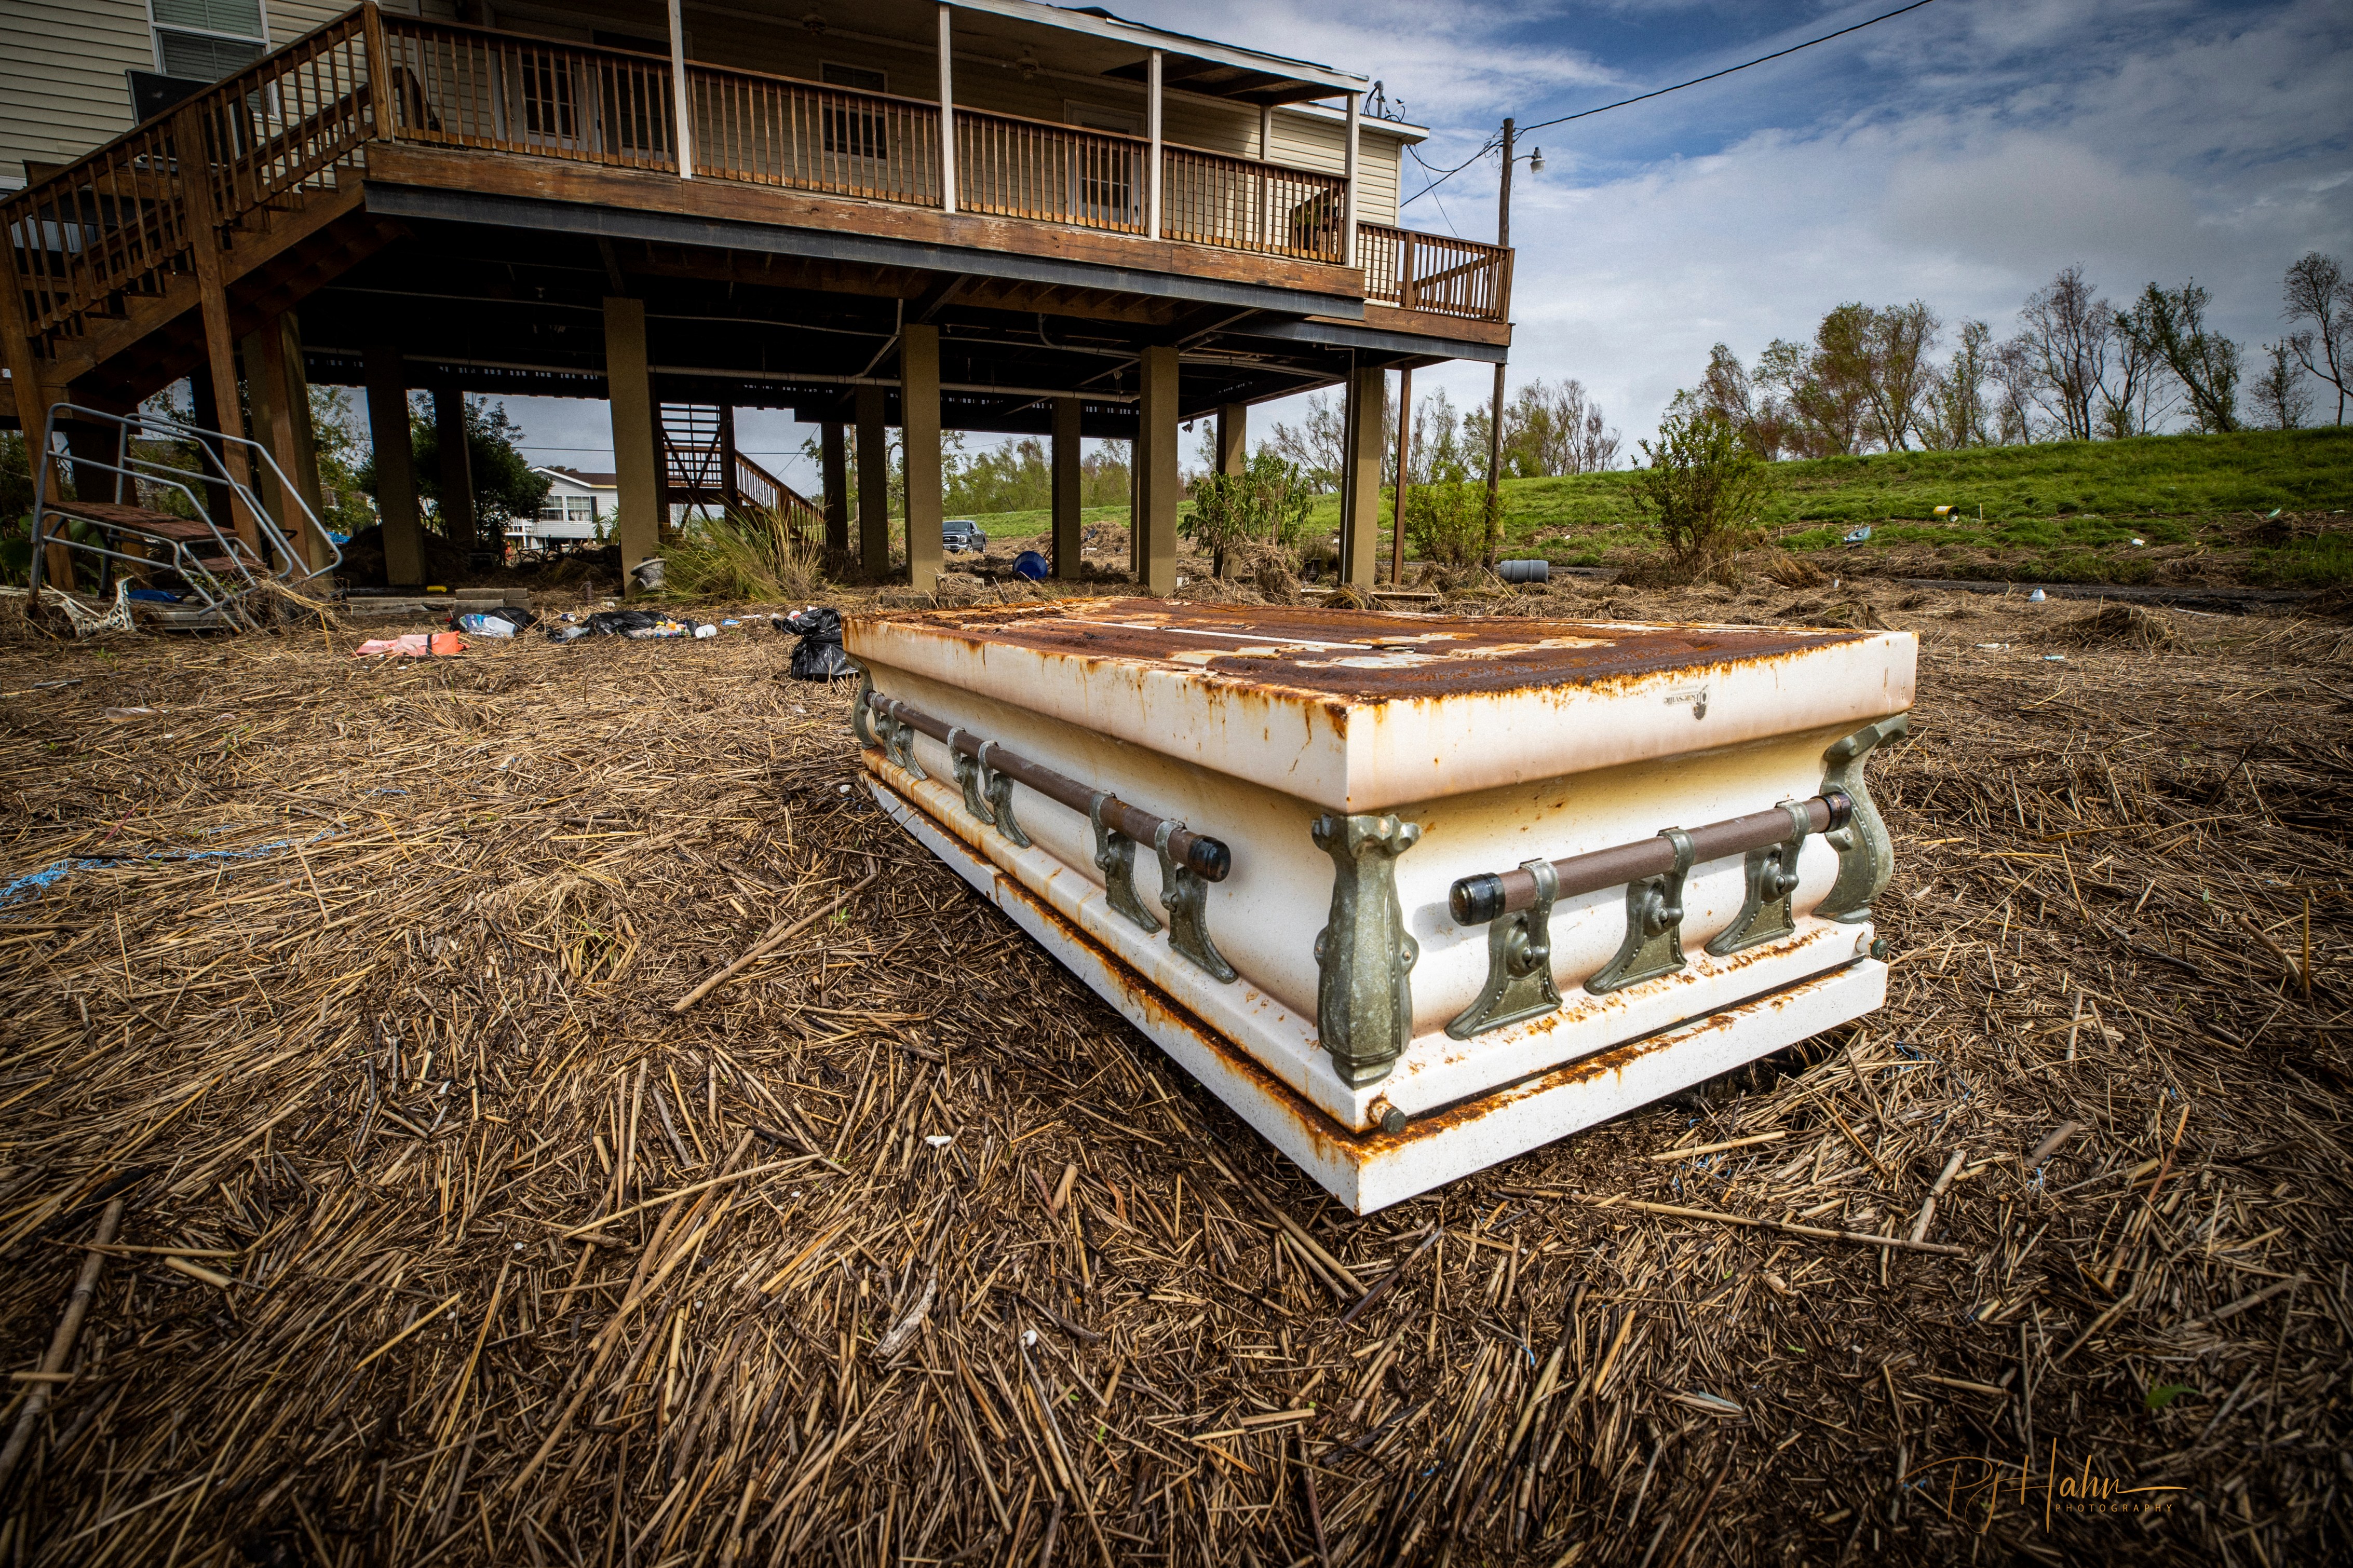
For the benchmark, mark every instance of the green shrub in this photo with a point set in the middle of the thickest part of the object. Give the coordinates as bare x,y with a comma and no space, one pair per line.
1267,500
1702,491
1448,520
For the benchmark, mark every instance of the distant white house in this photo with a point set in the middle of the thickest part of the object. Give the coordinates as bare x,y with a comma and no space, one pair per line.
576,503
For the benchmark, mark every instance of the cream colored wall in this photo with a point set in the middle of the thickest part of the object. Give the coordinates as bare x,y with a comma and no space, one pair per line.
61,85
63,90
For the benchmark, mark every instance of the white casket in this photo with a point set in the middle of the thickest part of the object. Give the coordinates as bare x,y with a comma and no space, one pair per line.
1411,893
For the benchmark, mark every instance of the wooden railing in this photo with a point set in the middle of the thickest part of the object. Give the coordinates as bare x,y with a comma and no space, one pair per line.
125,221
1434,273
467,87
760,491
773,131
1013,167
1212,199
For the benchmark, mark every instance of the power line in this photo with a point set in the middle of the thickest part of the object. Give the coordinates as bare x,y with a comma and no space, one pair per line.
1659,92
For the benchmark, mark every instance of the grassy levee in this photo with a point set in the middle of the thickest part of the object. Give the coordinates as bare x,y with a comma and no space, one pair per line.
2153,508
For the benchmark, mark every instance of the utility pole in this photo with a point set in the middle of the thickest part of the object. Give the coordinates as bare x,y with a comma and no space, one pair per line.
1496,414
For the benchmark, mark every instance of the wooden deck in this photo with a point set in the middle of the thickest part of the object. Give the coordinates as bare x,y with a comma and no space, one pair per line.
111,249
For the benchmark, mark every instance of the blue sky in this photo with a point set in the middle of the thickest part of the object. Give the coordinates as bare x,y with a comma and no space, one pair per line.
1960,155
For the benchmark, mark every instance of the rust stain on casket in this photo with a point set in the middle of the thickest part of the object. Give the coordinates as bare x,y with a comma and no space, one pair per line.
1358,656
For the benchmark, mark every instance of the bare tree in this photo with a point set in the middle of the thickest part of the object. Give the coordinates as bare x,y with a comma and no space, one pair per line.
2316,290
1548,430
1956,414
1314,443
2017,380
1897,373
2171,324
1728,392
2280,392
1597,442
2067,338
2143,392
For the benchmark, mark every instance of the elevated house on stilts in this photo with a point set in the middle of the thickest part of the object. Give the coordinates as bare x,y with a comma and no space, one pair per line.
989,216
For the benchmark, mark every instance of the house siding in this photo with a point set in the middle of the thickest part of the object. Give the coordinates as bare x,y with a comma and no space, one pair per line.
61,86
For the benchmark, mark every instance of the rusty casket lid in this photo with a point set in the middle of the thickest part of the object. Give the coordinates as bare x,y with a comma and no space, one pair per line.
1364,710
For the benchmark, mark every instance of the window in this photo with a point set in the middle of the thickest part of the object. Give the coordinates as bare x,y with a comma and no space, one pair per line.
204,40
568,508
548,106
1105,173
852,133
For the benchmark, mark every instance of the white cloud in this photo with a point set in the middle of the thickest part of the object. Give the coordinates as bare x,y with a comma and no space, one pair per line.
1961,154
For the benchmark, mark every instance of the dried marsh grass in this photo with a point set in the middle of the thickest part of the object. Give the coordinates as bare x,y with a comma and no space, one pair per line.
419,1225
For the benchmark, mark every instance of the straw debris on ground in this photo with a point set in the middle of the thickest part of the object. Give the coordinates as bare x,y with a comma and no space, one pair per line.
410,1221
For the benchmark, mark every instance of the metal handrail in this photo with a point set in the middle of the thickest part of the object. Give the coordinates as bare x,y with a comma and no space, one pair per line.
1476,901
217,594
1208,858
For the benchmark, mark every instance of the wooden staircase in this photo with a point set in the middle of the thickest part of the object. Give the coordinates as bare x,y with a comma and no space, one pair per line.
701,467
188,232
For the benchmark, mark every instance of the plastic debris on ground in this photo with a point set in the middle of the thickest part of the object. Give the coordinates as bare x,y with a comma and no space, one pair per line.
641,625
413,645
818,655
1858,536
1030,564
496,621
2036,597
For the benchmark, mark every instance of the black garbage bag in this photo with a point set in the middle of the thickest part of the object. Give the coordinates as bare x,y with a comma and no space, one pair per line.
621,623
818,656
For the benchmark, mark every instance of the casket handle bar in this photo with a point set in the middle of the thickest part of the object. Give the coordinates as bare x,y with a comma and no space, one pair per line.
1476,901
1516,906
987,774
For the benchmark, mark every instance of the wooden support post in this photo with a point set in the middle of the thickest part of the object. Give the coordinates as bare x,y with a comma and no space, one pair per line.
948,113
96,451
280,396
457,520
1153,175
32,400
194,155
1233,438
836,488
731,499
873,485
1067,488
395,465
1157,484
205,409
630,388
1404,477
1348,211
1360,474
919,427
682,93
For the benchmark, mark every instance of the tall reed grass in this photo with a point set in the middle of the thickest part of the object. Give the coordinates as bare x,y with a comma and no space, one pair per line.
752,554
